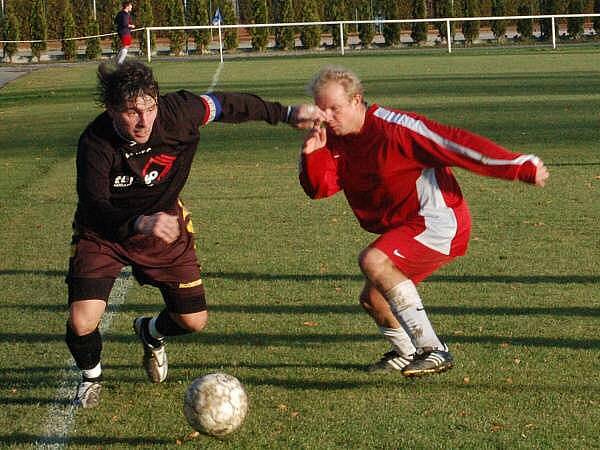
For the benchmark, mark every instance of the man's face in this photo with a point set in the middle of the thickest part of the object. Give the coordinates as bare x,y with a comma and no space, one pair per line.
344,115
136,120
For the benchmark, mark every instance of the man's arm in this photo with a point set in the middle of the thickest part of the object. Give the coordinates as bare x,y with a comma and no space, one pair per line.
230,107
438,145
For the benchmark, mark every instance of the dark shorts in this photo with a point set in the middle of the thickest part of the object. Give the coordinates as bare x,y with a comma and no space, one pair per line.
125,40
95,263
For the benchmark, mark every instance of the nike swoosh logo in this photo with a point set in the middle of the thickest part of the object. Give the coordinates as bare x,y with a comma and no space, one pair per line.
398,254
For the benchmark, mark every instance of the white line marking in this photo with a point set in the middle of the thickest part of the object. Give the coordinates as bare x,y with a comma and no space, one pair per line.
61,414
215,79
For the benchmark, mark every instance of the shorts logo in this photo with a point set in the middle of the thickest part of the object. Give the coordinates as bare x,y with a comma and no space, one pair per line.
157,168
122,181
398,254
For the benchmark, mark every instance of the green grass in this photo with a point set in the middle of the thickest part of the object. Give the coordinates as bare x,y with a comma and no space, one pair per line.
520,311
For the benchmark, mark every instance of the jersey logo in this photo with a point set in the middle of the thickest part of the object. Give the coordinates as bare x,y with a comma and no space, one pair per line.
157,168
122,181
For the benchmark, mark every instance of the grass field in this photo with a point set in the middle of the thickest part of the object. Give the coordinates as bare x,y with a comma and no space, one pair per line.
520,311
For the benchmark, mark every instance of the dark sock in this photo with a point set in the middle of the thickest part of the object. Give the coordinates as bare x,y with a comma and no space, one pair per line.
166,326
85,349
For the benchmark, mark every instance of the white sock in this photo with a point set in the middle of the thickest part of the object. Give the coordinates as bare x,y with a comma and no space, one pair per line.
94,372
153,331
399,340
407,306
121,55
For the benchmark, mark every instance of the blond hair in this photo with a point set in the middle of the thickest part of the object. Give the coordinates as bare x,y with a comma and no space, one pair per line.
336,74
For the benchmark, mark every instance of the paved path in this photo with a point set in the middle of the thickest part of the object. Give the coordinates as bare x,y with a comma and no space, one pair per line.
9,73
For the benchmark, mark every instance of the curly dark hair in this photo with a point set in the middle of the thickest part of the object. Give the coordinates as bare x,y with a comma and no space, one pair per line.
120,84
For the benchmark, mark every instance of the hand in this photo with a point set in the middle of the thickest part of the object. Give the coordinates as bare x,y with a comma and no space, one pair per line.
161,225
315,139
541,174
306,116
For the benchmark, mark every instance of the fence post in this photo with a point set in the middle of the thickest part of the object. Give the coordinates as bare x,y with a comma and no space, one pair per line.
220,43
553,35
448,37
342,38
148,49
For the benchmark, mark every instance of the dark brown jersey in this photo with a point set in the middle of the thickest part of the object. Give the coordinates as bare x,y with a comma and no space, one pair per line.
119,180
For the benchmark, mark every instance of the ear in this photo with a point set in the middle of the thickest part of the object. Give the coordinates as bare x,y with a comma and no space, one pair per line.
357,100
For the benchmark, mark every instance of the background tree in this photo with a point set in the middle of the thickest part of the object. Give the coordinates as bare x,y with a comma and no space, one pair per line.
144,18
285,37
68,45
39,28
198,15
336,11
596,20
175,19
366,31
444,9
310,36
260,36
10,32
525,26
115,8
230,38
575,24
92,48
82,11
419,29
391,31
548,7
470,28
498,26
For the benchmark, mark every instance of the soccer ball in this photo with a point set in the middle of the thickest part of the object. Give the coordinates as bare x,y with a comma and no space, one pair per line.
215,404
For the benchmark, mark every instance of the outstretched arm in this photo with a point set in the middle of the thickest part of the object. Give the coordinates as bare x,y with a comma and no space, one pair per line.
230,107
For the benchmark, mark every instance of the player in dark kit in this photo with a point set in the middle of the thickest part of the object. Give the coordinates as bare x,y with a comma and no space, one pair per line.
133,161
124,26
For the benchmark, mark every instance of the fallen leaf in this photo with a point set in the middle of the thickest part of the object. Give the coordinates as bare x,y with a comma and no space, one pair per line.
310,324
295,414
517,361
178,442
282,407
509,380
466,380
505,345
497,427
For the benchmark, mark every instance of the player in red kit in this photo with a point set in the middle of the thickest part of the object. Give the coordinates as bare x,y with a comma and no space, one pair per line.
394,169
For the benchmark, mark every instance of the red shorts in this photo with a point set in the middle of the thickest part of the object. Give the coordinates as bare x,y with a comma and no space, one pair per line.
173,268
412,258
126,40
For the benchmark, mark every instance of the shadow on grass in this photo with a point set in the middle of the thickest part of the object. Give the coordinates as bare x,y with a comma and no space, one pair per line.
256,276
304,339
85,441
342,308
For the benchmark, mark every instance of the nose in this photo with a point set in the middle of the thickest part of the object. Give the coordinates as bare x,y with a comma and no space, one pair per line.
142,120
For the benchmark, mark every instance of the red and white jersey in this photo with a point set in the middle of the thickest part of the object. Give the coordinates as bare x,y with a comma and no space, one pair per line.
396,172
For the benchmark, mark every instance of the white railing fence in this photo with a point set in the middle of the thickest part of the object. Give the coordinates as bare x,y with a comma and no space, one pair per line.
448,21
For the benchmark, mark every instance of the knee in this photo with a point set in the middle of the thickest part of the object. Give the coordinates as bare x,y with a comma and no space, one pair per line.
193,322
372,262
81,325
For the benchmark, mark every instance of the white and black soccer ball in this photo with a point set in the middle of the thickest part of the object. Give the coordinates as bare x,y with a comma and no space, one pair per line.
215,404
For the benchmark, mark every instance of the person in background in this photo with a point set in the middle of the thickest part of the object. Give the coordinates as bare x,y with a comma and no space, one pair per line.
124,27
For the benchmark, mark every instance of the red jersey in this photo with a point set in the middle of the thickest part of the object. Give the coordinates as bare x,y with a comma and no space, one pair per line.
396,172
